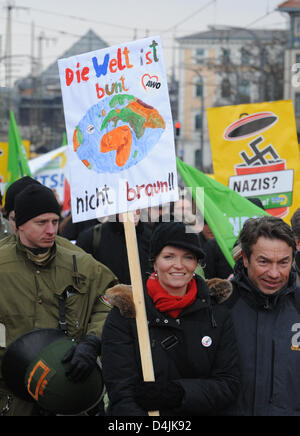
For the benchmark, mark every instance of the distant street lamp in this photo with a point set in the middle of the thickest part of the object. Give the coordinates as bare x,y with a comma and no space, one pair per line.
201,118
200,82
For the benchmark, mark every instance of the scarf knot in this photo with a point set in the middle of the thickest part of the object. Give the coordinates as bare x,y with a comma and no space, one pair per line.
171,304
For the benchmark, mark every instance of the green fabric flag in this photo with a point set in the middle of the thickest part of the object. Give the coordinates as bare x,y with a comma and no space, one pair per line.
224,210
17,165
64,139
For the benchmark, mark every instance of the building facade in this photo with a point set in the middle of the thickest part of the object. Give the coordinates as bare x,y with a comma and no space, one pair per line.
40,107
224,66
292,57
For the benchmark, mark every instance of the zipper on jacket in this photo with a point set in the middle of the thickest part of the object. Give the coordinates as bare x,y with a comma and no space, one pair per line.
272,373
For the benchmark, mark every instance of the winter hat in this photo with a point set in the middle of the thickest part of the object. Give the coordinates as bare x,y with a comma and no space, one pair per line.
14,190
174,234
33,201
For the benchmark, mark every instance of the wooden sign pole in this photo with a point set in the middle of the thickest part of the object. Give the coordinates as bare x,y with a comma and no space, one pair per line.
138,298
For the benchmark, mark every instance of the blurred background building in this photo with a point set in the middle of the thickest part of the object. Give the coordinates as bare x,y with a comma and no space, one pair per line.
224,66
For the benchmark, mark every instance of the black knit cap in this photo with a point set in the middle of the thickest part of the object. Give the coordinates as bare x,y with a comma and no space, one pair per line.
33,201
174,234
14,190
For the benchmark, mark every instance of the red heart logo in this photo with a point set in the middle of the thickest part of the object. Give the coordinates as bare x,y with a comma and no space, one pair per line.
150,77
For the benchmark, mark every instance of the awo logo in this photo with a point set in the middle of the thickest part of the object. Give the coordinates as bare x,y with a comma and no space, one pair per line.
295,346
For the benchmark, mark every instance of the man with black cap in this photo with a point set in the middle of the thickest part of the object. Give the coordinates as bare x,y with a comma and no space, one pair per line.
46,285
9,210
12,191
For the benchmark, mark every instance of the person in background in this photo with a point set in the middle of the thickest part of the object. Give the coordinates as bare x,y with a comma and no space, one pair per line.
5,227
205,235
217,265
193,344
106,242
12,191
295,223
71,231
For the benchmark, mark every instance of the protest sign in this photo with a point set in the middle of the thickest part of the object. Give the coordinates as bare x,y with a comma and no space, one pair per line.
4,158
255,153
50,169
119,125
119,122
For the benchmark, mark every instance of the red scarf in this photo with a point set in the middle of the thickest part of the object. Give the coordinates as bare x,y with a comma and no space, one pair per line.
164,302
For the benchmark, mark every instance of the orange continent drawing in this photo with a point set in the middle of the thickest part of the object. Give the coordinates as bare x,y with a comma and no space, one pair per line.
76,143
119,139
117,133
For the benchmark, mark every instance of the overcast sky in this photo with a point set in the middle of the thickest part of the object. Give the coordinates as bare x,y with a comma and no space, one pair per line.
119,21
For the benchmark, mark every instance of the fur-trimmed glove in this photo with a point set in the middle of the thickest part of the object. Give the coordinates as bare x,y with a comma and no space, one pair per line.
82,358
156,395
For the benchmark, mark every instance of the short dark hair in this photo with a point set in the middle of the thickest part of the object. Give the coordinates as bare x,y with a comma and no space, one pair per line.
295,223
269,227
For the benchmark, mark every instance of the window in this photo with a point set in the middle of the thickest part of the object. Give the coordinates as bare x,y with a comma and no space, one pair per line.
244,91
297,103
198,160
200,53
199,89
225,88
245,58
297,26
225,55
245,87
198,122
297,58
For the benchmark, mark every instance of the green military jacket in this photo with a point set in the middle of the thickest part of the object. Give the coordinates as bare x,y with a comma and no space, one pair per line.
29,294
5,227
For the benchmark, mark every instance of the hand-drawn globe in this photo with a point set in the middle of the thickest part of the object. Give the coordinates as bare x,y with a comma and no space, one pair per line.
117,133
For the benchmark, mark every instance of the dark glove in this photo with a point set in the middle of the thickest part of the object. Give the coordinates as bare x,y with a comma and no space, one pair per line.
157,396
82,358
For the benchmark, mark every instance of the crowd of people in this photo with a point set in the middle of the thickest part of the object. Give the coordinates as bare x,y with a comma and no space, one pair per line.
223,341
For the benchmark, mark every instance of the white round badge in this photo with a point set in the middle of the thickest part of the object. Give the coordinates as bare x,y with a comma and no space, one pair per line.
206,341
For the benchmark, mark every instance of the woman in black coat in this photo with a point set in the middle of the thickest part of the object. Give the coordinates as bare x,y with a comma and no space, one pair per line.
193,344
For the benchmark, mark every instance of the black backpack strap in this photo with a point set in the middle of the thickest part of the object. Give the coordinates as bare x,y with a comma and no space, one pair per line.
62,324
175,348
96,238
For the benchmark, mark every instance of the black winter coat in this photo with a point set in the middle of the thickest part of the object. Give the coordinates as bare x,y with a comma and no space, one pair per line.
268,334
208,370
112,250
215,262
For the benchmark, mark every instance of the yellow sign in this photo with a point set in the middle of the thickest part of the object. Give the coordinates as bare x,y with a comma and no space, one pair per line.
4,158
255,152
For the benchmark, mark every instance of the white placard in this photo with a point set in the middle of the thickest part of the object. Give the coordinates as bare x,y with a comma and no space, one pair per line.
272,182
119,125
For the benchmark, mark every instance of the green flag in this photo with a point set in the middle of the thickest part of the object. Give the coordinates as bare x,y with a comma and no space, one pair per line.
64,139
17,165
224,210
